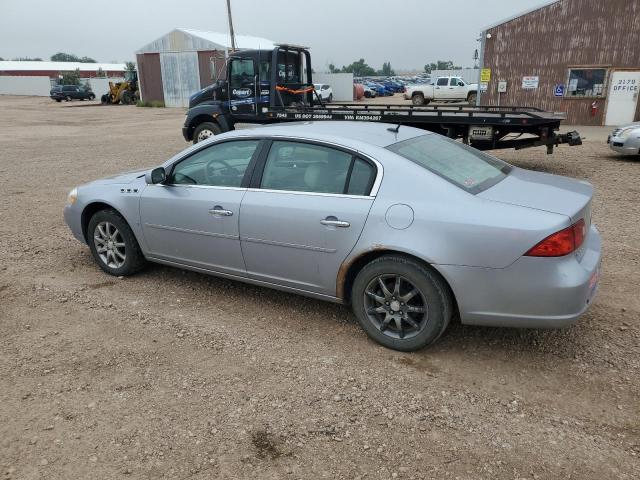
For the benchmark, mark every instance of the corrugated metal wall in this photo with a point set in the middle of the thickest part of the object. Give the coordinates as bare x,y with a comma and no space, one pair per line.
180,77
205,59
546,42
150,77
20,85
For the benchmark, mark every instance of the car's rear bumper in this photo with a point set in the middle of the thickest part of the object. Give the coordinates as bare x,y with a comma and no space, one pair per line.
530,293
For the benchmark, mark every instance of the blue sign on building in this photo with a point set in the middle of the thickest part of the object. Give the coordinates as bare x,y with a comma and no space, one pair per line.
559,90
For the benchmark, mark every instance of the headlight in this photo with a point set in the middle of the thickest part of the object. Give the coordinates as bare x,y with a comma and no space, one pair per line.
626,132
72,197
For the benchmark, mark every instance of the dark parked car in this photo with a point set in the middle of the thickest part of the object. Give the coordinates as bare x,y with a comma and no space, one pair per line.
71,92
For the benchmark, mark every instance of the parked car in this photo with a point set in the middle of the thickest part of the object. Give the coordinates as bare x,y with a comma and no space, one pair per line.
447,89
626,139
325,92
409,227
369,92
71,92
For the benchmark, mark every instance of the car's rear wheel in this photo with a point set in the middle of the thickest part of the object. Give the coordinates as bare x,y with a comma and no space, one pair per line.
206,130
400,303
113,244
417,99
67,98
330,97
471,99
92,97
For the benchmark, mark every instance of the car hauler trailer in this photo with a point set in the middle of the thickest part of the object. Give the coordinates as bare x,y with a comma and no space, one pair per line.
272,86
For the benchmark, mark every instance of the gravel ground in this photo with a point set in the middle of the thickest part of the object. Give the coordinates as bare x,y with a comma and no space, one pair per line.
171,374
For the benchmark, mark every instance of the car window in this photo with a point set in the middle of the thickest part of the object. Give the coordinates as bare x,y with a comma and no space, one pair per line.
443,81
453,82
465,167
220,165
303,167
362,177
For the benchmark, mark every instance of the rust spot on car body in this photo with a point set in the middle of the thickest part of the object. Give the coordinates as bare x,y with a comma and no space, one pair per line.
344,269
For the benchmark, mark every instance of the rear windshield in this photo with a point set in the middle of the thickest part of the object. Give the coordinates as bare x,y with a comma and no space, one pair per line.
465,167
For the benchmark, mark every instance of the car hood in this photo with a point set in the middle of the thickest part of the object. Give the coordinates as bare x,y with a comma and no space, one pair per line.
629,125
121,178
542,191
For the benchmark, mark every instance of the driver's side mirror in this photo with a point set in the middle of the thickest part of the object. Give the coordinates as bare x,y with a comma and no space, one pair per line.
155,176
460,84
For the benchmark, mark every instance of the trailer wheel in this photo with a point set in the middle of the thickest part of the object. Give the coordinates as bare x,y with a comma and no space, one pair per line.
472,98
205,130
417,99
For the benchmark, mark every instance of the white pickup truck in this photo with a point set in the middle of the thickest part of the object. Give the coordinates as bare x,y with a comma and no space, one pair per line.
443,89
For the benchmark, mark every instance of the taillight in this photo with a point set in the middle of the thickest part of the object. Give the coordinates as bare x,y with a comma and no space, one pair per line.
560,243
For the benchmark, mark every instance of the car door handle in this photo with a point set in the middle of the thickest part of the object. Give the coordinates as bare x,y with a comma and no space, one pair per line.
218,210
334,222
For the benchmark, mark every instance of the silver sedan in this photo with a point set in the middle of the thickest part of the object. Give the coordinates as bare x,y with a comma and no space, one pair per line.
626,139
410,228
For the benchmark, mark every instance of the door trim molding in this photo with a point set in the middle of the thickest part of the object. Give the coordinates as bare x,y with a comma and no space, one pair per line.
288,245
196,232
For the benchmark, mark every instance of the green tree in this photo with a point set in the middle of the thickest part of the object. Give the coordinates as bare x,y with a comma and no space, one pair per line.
333,69
359,69
27,59
100,73
441,65
70,57
130,66
71,78
386,71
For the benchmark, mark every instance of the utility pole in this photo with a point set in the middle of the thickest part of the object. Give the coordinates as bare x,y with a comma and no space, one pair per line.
231,33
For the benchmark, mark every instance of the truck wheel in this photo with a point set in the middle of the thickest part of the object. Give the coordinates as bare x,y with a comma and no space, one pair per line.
472,98
205,130
92,97
417,99
104,99
67,98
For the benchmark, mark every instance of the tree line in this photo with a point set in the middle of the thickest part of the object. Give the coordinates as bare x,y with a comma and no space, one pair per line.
58,57
360,68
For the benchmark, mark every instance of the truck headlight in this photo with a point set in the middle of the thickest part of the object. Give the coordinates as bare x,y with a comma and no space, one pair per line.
72,197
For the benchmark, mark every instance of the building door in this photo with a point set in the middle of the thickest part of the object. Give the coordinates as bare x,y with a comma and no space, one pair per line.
623,97
180,77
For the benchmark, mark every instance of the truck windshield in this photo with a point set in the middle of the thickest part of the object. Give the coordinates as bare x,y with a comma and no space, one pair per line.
465,167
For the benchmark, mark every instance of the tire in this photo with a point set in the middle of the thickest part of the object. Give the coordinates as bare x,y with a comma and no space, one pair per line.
67,98
126,98
367,94
58,100
433,299
111,260
92,97
471,98
417,99
330,98
206,130
104,99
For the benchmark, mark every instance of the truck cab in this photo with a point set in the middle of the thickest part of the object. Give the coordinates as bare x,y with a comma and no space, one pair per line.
254,81
444,89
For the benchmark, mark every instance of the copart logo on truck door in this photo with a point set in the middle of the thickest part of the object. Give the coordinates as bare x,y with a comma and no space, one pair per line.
242,92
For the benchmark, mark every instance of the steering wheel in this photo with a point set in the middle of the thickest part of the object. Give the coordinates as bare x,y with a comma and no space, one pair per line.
182,179
211,172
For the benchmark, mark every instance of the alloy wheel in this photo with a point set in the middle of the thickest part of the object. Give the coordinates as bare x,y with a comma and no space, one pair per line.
204,134
395,306
109,244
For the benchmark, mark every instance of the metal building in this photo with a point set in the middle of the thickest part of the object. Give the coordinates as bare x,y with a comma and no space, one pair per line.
178,64
574,56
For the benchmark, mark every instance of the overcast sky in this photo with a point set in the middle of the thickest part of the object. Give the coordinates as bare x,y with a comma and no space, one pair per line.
409,33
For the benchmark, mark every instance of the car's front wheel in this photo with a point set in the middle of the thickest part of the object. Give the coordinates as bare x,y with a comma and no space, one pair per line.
113,244
400,303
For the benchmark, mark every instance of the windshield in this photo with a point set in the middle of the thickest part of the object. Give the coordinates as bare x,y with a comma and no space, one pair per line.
465,167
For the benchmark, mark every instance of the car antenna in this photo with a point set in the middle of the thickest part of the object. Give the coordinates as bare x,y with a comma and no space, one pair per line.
395,130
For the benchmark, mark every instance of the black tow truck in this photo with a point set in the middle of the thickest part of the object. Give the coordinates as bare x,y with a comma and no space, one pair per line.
273,86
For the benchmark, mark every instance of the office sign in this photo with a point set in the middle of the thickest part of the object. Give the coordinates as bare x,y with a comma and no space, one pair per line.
530,83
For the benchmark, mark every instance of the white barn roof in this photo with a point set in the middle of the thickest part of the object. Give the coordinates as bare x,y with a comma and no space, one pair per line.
185,39
15,66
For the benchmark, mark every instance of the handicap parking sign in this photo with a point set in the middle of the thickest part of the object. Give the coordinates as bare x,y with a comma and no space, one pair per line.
559,91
